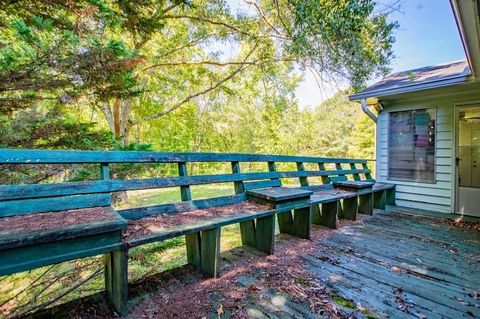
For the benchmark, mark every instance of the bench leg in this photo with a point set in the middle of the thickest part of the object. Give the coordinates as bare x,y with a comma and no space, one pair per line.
298,224
379,199
247,231
116,280
302,222
259,234
203,251
192,242
329,214
349,208
285,222
365,204
316,215
390,196
210,252
265,234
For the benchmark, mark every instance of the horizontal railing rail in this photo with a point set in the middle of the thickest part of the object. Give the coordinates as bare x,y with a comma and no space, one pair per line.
20,156
10,192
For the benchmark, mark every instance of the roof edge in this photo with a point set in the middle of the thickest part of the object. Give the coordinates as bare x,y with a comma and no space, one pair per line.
412,87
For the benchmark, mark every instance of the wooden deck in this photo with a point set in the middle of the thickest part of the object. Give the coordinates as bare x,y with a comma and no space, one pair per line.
400,265
394,264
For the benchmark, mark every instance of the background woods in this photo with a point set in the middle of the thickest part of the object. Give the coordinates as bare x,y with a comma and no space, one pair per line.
179,75
200,76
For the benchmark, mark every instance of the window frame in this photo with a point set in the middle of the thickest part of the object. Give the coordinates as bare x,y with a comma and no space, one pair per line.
423,107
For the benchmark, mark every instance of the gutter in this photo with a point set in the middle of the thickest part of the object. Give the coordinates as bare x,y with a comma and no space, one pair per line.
367,111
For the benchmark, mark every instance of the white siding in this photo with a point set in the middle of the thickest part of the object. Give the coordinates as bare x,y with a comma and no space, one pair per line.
438,196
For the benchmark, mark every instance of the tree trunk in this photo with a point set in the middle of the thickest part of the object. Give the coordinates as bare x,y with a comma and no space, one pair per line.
117,117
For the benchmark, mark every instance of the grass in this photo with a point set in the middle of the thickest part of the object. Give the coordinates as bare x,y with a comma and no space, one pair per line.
39,285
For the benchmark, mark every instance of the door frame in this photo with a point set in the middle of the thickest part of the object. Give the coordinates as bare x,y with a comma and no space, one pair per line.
455,128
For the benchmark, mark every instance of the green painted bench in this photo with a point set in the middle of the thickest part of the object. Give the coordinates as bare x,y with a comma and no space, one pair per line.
86,225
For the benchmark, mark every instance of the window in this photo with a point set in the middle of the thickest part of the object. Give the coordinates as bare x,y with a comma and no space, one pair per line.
411,145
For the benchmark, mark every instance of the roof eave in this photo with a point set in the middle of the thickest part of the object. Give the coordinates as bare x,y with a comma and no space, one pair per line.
411,88
466,14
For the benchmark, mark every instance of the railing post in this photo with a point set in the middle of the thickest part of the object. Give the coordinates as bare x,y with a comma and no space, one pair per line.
239,187
184,190
356,176
303,180
368,176
272,168
338,167
325,179
105,171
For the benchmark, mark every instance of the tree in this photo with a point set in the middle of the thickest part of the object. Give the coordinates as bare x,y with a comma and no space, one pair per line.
117,55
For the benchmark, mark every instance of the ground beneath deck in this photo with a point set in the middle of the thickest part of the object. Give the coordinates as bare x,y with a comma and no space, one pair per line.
391,265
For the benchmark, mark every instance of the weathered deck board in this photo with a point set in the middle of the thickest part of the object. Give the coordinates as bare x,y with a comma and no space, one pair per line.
401,266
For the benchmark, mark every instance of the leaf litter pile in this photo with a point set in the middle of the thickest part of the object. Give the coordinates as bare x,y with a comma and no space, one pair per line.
250,285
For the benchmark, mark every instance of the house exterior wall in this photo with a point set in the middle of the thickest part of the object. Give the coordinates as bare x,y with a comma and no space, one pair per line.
440,195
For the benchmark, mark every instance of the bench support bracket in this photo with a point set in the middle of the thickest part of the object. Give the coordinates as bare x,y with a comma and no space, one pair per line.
326,216
259,234
390,196
379,199
365,205
349,208
298,224
203,251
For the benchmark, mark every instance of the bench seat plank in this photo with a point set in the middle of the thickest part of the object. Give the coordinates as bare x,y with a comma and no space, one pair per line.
277,194
382,186
354,184
326,196
25,230
165,226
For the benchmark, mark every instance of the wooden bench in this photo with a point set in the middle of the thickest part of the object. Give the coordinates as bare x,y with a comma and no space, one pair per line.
87,225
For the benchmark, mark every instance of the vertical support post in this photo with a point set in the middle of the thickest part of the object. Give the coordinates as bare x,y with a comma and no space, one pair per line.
379,199
356,176
302,222
192,242
390,197
272,168
210,252
116,268
239,187
325,179
303,180
105,171
365,204
265,234
184,190
368,175
329,214
338,167
116,280
350,208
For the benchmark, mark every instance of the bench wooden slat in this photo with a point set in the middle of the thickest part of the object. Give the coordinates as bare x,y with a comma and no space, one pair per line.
141,212
195,227
42,205
8,192
262,184
17,156
11,240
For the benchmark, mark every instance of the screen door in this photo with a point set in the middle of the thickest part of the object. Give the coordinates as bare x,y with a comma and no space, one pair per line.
468,160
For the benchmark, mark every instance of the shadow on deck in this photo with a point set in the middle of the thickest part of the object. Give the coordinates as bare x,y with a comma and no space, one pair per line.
394,264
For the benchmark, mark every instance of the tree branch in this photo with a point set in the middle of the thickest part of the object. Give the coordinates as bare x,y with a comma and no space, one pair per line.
209,89
207,20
